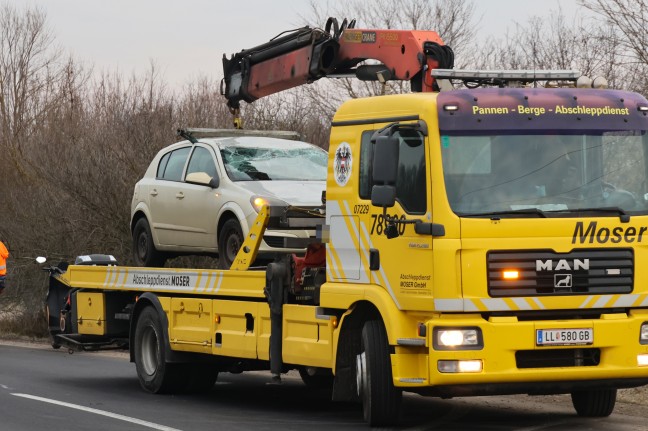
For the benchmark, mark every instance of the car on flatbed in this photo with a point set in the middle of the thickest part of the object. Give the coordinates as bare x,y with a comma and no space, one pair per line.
201,197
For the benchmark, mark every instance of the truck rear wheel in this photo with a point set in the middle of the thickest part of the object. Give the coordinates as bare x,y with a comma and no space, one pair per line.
381,401
154,373
594,403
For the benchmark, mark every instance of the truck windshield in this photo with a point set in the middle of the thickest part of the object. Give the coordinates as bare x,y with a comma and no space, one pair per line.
551,175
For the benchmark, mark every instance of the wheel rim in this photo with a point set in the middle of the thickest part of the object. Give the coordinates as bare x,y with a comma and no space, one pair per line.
149,351
232,247
142,246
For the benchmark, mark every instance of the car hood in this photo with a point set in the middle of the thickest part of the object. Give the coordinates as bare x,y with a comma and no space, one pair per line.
307,193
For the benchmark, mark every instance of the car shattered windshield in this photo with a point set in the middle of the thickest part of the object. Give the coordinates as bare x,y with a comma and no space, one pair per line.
298,163
550,175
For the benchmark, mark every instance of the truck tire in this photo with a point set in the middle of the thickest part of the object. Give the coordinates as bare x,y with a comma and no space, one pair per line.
594,403
144,251
381,401
230,239
154,373
51,322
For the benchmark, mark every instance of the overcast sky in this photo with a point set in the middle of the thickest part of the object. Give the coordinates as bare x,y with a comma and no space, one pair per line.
187,38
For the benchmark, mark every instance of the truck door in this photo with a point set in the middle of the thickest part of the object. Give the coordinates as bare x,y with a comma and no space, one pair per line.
405,268
359,250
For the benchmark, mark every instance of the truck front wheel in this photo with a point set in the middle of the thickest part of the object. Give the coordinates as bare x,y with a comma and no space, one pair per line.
381,401
594,403
154,373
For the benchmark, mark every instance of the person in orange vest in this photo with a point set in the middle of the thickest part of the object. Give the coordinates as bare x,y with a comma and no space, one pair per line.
4,254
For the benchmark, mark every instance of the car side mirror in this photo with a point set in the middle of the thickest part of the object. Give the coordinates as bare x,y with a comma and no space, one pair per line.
385,171
202,179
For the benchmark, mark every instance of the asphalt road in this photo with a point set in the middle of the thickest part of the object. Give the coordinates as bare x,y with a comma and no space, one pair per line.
41,388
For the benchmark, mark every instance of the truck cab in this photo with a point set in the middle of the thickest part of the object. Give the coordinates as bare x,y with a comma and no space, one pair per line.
496,233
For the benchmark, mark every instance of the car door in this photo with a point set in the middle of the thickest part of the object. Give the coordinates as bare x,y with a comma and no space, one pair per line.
165,197
201,203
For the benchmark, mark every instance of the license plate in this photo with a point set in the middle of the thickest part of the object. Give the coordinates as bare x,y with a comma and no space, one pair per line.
564,337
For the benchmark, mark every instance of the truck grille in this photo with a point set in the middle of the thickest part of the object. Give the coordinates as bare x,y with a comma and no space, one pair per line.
546,273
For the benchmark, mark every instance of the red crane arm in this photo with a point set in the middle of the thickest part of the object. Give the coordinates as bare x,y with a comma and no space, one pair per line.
307,54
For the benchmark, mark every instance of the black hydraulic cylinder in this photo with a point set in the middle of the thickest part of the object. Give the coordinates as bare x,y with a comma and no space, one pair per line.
275,274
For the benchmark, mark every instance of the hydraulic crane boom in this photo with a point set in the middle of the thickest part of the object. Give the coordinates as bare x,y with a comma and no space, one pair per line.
307,54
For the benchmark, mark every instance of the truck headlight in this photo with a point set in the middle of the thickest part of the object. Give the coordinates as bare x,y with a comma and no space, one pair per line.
457,339
643,333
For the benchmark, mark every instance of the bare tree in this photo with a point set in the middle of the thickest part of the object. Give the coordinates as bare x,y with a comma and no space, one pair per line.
559,42
630,17
30,68
629,20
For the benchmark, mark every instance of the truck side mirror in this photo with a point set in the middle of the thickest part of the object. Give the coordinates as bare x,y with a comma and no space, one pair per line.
385,171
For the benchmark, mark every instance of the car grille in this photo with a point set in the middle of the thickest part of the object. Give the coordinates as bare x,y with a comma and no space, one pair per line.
274,241
546,273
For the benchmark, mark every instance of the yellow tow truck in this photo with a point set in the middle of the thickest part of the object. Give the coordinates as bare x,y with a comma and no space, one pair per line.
478,241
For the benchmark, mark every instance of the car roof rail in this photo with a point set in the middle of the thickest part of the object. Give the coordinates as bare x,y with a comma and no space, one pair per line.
192,134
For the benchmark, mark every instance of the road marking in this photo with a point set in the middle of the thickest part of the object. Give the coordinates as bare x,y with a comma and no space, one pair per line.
99,412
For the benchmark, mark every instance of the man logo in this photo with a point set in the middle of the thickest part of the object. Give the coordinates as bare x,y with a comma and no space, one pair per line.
562,281
562,265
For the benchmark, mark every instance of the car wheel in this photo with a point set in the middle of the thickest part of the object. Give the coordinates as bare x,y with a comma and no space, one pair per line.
230,239
144,252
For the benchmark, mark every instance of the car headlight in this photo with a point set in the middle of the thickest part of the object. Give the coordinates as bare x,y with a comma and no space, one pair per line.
259,201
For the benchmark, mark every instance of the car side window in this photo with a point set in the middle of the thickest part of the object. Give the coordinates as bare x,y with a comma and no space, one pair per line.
202,161
175,165
162,166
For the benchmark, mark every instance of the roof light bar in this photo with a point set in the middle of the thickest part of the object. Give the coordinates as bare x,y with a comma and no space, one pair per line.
506,75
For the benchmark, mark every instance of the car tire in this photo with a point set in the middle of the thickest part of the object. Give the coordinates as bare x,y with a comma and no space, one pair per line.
230,239
144,251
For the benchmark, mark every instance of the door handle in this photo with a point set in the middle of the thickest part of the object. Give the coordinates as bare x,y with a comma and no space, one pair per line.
179,195
154,192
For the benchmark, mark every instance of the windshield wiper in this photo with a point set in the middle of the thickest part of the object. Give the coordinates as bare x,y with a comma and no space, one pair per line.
524,211
623,215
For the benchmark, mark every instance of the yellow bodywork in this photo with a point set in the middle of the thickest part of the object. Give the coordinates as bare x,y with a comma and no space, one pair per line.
91,312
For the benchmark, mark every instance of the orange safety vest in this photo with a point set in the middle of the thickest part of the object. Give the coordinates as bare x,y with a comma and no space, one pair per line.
4,254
